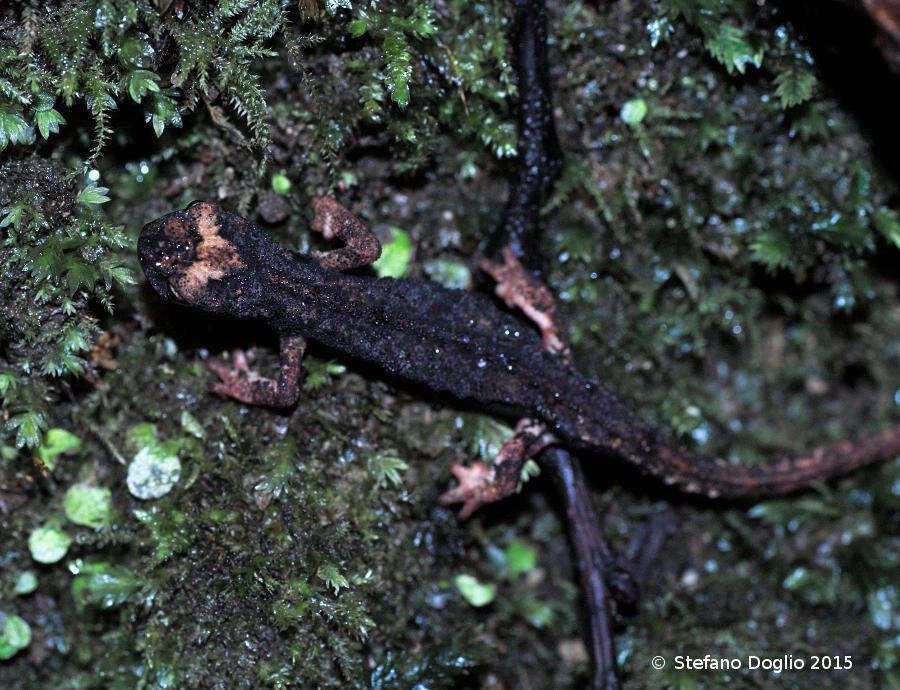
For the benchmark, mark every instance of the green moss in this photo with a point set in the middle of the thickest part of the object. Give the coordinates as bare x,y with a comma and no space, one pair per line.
58,257
102,584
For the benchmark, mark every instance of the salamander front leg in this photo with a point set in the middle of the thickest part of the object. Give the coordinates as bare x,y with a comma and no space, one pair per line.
240,382
333,220
480,484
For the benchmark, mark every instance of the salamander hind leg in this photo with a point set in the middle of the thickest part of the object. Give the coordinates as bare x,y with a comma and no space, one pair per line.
241,383
481,484
333,220
520,290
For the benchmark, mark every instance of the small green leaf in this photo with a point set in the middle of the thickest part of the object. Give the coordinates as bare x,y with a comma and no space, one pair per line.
12,215
399,67
452,274
56,442
164,113
795,86
26,582
529,469
190,424
500,136
153,472
14,129
158,123
319,372
140,82
815,586
15,635
360,25
537,612
773,249
357,27
134,52
333,577
386,468
92,195
120,275
102,584
29,426
79,274
48,544
729,46
633,112
280,184
7,383
395,255
48,122
887,223
140,435
520,557
473,591
89,506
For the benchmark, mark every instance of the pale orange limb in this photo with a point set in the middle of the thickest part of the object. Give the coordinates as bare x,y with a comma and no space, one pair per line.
480,484
520,290
333,220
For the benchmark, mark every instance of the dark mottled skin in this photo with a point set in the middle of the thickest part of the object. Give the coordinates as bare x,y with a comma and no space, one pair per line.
451,341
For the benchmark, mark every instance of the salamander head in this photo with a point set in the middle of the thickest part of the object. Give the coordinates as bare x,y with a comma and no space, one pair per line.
202,256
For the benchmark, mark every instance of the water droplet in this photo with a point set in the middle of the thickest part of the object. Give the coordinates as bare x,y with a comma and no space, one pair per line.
700,434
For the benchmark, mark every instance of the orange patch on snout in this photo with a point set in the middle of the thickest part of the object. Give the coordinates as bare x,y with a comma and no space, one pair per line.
206,218
216,256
